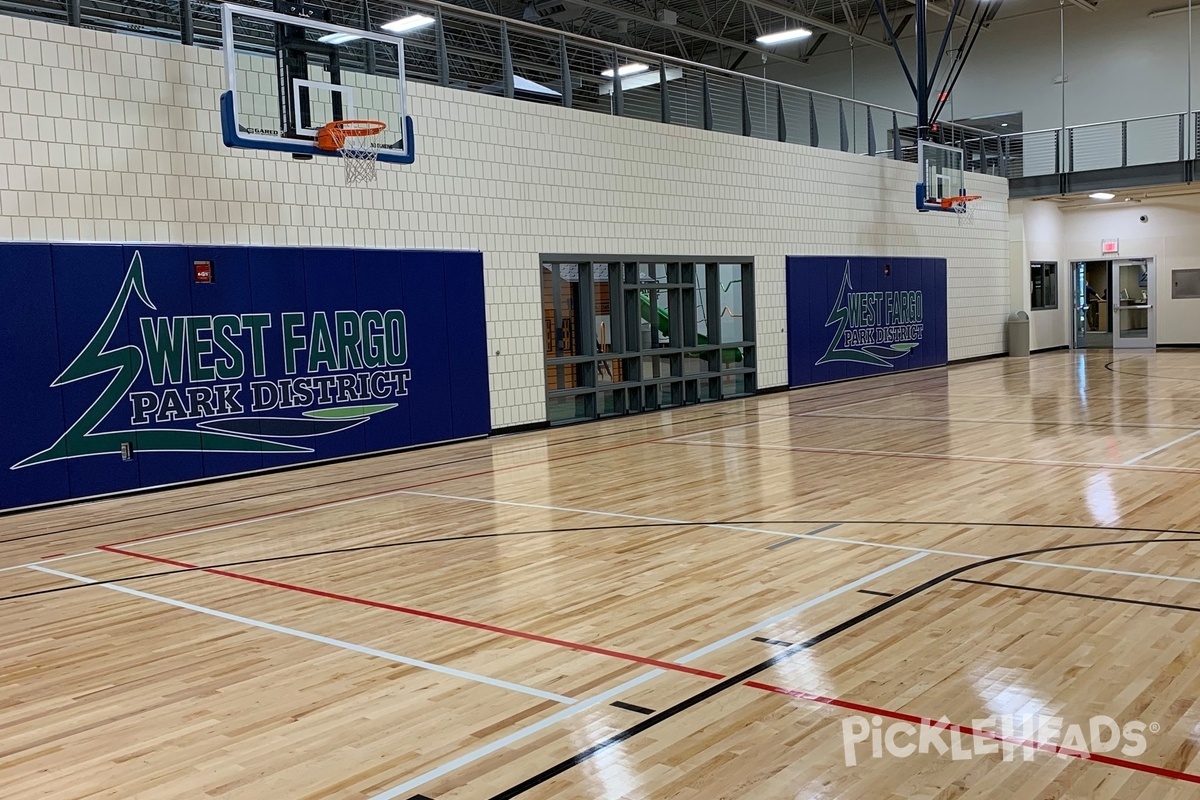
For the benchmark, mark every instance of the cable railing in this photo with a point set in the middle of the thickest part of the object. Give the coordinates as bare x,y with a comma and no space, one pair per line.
1143,141
479,52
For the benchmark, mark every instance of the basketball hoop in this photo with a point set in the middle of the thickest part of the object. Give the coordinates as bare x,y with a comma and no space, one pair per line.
963,207
354,139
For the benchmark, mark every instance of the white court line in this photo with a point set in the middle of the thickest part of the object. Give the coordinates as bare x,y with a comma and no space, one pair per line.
554,719
835,539
1034,462
48,561
314,637
782,615
1162,447
219,526
999,421
1150,575
683,436
1085,397
670,521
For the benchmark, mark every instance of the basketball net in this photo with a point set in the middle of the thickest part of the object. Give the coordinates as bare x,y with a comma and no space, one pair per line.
964,212
360,155
355,140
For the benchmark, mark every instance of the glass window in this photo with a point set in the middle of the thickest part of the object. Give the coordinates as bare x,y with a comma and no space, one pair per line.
627,335
1043,285
731,303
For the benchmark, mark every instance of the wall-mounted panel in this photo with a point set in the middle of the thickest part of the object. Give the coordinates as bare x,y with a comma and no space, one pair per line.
853,316
127,371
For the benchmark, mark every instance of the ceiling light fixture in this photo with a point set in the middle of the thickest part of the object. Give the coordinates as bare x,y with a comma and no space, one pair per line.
338,38
1102,195
648,78
625,69
409,23
789,35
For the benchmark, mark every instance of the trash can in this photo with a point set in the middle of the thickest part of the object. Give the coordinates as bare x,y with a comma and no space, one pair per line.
1018,334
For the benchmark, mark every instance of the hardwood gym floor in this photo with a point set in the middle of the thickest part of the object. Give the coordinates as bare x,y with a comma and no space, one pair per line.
770,598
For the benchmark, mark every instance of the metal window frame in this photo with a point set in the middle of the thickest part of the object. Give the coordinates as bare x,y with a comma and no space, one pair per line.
1050,279
638,391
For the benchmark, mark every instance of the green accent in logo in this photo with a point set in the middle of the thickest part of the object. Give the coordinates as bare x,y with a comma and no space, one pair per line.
166,340
349,412
876,355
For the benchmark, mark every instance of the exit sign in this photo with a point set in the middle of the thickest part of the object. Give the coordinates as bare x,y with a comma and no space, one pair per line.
1110,247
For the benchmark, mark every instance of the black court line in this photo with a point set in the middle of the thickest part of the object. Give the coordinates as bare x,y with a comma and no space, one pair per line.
1082,595
385,474
579,529
420,797
746,674
788,541
294,467
877,594
777,642
1110,368
631,707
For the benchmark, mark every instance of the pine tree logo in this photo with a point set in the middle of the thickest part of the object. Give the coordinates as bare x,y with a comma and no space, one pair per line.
874,354
123,365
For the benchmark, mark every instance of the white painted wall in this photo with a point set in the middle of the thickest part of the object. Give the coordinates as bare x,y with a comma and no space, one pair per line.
1120,64
1036,234
116,138
1171,236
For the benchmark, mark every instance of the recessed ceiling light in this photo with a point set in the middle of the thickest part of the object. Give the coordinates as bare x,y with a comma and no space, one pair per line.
1003,124
1102,195
784,36
625,69
409,23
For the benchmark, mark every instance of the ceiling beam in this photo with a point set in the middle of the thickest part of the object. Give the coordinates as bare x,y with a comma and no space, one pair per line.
791,13
942,11
818,40
685,31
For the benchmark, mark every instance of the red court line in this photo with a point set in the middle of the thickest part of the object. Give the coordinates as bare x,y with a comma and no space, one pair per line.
369,495
849,705
1099,758
417,612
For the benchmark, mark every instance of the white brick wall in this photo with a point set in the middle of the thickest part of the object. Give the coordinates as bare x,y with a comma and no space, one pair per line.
117,138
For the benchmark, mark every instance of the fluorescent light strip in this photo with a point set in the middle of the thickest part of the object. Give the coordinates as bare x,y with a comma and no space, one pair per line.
625,69
784,36
1102,195
649,78
409,23
338,38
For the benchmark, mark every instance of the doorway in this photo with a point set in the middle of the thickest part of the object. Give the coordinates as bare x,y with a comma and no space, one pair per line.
1114,303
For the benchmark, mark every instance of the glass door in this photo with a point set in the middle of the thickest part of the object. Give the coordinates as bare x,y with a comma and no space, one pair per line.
1079,302
1133,303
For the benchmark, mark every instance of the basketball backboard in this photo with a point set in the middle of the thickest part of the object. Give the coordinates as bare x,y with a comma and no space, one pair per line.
940,175
288,75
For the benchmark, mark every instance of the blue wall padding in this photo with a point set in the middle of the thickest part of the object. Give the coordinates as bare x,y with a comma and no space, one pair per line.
290,355
853,316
